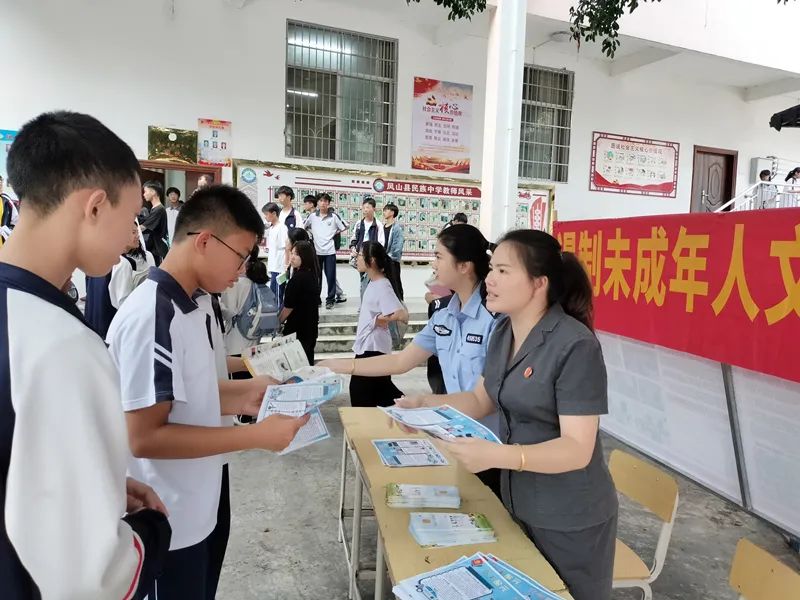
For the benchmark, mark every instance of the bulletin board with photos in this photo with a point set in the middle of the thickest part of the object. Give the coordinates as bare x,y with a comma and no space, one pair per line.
425,205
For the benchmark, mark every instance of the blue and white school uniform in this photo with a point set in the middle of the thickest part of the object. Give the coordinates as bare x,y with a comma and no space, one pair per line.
63,452
162,344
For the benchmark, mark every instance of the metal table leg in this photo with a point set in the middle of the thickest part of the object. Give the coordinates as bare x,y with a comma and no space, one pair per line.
379,568
342,482
355,546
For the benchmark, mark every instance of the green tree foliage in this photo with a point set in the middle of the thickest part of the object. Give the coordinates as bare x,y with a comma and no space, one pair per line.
459,9
592,19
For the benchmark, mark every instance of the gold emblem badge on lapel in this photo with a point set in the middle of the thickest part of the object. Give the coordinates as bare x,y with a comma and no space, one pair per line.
528,373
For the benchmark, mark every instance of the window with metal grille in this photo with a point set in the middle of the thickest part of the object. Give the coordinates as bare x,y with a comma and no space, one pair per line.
341,91
546,118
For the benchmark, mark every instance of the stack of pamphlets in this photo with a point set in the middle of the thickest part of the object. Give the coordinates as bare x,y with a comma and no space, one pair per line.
405,495
480,576
445,422
409,453
450,529
298,399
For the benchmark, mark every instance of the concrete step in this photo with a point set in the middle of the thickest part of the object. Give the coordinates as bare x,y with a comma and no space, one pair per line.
342,344
337,314
349,328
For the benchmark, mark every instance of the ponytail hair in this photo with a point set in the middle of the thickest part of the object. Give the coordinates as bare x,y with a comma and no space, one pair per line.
568,283
791,173
467,244
256,271
375,256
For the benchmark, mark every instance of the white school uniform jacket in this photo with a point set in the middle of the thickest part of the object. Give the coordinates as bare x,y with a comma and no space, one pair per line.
63,452
162,344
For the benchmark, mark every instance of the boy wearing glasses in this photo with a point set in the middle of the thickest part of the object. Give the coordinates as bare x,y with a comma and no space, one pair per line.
163,346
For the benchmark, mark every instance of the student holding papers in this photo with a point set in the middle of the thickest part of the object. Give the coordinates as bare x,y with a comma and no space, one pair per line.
162,344
546,374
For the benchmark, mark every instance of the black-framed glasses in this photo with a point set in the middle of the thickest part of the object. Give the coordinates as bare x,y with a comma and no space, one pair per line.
245,259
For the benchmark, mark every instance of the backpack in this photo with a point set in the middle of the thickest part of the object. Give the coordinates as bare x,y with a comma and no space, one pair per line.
258,316
138,276
337,237
398,329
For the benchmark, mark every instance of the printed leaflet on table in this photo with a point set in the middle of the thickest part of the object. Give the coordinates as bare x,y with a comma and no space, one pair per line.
409,453
480,576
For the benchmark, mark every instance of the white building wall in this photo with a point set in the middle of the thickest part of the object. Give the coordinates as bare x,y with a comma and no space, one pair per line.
212,60
132,65
644,103
734,29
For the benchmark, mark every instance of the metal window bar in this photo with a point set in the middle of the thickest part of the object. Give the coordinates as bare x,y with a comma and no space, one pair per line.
341,91
546,119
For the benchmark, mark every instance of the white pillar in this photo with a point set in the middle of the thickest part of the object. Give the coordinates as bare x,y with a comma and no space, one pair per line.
504,65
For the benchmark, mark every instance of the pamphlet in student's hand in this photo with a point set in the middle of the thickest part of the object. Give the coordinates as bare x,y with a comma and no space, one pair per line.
444,422
297,399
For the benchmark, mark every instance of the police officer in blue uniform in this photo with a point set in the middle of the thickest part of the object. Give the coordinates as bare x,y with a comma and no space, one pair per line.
458,334
546,375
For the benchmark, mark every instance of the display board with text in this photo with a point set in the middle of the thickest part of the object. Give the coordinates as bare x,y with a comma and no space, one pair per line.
426,205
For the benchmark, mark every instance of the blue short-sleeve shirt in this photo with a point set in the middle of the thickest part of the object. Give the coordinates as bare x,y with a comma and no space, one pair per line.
459,337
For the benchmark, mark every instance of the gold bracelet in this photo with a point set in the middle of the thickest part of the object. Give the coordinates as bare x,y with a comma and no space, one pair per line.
353,370
521,458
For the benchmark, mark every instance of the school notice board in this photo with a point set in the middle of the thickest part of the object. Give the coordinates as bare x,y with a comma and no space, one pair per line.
425,205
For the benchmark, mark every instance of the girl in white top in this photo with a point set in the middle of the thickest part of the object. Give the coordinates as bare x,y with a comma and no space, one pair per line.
379,307
130,270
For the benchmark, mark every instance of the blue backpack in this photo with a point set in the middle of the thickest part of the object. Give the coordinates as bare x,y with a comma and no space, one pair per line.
259,314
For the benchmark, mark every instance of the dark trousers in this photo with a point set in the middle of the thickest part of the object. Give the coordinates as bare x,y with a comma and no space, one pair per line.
218,540
277,290
185,574
584,559
327,264
372,391
435,376
491,479
394,278
308,345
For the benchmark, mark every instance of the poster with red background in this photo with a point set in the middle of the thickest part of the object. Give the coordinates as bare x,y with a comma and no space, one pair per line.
725,286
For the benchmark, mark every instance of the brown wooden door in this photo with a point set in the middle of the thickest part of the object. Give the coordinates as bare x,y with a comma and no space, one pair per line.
713,178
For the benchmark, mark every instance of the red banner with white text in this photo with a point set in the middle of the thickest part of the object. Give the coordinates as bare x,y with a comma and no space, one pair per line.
725,286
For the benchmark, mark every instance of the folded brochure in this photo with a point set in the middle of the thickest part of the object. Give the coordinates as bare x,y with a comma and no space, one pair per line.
444,422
